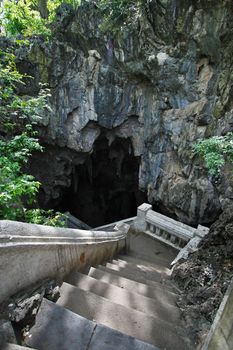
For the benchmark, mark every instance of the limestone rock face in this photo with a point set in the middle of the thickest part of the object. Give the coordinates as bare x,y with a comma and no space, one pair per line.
163,81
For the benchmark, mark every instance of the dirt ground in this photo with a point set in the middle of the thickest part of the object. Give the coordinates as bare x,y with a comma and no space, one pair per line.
205,276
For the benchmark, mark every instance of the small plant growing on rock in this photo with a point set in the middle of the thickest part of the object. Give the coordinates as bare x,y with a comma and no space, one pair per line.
216,151
117,13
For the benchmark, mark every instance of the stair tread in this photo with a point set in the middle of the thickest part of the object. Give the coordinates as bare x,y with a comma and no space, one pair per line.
132,322
154,307
59,328
109,339
136,276
154,274
134,260
140,288
149,259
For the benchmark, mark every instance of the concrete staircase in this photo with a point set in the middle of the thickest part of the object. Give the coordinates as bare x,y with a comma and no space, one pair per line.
127,304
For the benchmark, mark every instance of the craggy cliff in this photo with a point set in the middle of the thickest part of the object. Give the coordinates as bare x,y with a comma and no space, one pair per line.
139,96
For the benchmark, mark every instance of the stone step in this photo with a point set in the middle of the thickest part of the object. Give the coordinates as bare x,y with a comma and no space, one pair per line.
145,265
134,260
136,276
57,328
153,292
154,307
152,273
160,260
106,338
134,323
9,346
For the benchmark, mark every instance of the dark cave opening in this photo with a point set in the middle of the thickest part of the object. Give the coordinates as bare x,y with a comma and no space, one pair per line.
104,188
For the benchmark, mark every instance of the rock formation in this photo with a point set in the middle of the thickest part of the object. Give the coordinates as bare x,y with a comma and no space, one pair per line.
160,82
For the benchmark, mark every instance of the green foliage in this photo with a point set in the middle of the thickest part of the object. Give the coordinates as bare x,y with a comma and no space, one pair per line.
180,25
18,189
23,17
14,184
45,217
14,107
116,8
54,4
118,12
216,151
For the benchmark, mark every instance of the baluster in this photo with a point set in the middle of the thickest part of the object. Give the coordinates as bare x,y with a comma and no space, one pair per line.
180,243
173,239
152,228
183,244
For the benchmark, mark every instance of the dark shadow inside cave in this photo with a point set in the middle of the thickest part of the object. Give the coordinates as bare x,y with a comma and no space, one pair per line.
105,188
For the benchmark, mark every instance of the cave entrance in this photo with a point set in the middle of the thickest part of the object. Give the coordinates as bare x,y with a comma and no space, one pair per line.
104,188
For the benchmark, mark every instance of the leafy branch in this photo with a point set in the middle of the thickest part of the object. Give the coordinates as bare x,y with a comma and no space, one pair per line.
216,151
30,17
17,189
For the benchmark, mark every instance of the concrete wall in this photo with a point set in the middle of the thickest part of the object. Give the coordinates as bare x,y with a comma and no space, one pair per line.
220,336
31,253
110,227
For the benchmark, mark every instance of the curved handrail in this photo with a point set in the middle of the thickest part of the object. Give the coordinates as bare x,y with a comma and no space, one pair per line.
31,253
13,232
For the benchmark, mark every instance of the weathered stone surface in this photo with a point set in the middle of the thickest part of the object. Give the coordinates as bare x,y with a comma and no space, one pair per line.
58,328
220,335
205,276
68,330
9,346
108,339
124,319
7,333
31,253
167,85
24,307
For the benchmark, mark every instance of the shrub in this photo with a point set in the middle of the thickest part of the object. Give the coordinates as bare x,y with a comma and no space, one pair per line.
21,18
26,17
216,151
17,115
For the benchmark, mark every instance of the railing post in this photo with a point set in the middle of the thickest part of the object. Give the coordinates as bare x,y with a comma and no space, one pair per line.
124,228
140,221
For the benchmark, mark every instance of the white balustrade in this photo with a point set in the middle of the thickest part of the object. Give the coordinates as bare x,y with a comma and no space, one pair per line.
165,229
